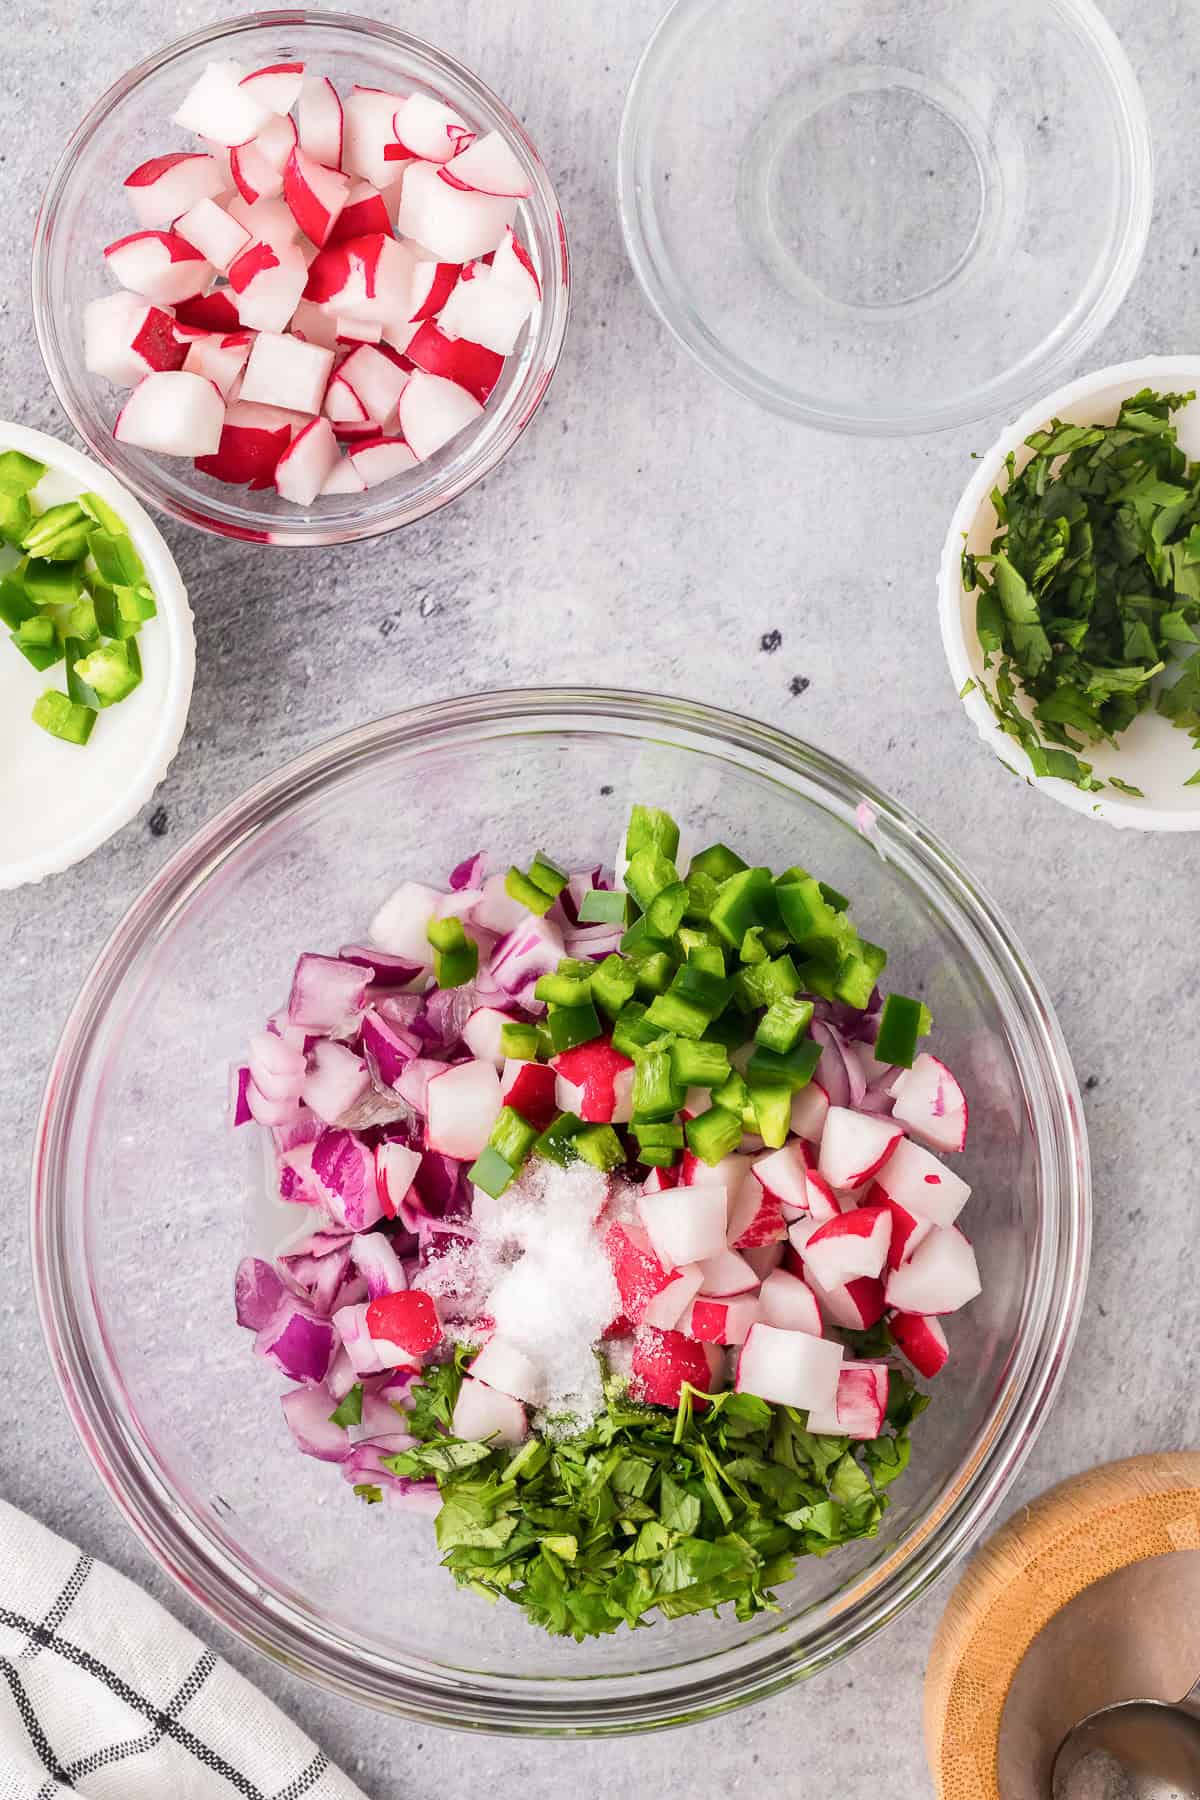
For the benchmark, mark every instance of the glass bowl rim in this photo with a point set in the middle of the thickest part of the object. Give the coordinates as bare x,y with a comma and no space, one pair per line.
564,1705
1012,388
210,513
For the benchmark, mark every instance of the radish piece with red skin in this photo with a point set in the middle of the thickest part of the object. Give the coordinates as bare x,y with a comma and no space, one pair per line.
409,1319
506,1368
783,1175
726,1273
715,1320
428,129
854,1244
788,1301
276,141
307,463
357,331
668,1306
659,1180
396,1168
930,1104
381,459
314,325
432,411
253,438
315,195
255,176
344,479
594,1069
172,412
855,1146
455,359
454,224
462,1107
483,1414
731,1173
490,166
756,1218
319,121
268,222
401,924
268,282
513,265
376,381
126,338
859,1406
432,285
662,1362
529,1088
363,277
908,1232
917,1181
216,234
483,311
165,186
941,1276
367,132
684,1225
638,1273
788,1368
364,214
285,371
277,87
160,265
922,1340
219,108
481,1034
810,1108
344,407
209,312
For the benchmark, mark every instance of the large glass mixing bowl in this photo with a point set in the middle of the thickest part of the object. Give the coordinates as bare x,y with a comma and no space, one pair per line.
144,1201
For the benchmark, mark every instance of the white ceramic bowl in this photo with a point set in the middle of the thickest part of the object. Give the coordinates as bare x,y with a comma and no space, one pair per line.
1153,754
59,802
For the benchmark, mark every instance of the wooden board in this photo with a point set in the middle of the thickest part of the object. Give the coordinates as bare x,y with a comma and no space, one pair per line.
1050,1552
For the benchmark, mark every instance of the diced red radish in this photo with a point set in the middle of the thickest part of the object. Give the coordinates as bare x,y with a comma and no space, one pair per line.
789,1368
662,1362
218,108
401,925
853,1244
395,1171
726,1272
684,1225
364,214
463,1104
276,141
216,234
432,285
366,277
285,371
484,1415
456,359
854,1146
209,312
505,1367
930,1104
376,381
639,1275
343,479
409,1319
766,1260
859,1406
941,1276
454,224
855,1306
908,1232
483,310
513,265
268,222
755,1218
315,194
810,1108
253,438
823,1203
219,359
307,463
529,1088
126,338
172,412
368,132
922,1340
381,459
659,1180
343,406
314,324
481,1034
719,1321
918,1183
489,166
595,1069
268,282
165,186
276,87
427,128
319,121
433,411
783,1175
159,264
787,1301
255,176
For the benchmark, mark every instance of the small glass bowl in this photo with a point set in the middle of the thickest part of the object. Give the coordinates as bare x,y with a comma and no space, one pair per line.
85,208
144,1201
881,217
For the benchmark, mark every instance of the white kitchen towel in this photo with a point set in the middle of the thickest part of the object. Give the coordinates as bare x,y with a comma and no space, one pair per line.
105,1695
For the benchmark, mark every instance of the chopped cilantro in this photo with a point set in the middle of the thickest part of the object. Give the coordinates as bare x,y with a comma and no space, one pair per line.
349,1410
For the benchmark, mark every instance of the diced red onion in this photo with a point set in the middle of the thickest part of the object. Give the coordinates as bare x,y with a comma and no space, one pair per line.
294,1036
239,1104
532,950
593,940
297,1342
353,1292
387,1050
438,1184
582,882
447,1012
341,1377
321,1278
364,1467
399,1010
306,1128
297,1183
258,1293
270,1112
307,1413
327,994
378,1264
350,1323
838,1072
345,1172
468,874
387,971
336,1081
379,1416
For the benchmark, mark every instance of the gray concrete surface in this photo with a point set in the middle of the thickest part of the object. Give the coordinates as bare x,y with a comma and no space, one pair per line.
648,494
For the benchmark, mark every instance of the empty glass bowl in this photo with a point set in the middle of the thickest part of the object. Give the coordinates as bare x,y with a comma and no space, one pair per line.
884,217
144,1200
85,208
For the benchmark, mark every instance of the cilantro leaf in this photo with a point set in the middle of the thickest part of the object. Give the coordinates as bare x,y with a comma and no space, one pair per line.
349,1410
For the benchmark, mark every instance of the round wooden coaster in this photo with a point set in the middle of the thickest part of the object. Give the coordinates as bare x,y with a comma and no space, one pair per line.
1054,1549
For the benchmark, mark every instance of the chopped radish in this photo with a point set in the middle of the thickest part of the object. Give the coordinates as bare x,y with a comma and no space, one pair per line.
859,1405
364,214
165,186
395,1171
725,1272
366,277
659,1180
810,1108
219,108
409,1319
930,1104
267,221
268,283
462,1107
483,310
755,1218
529,1088
456,359
219,359
823,1203
684,1225
342,404
596,1071
172,412
316,195
790,1368
513,265
376,381
314,325
731,1173
922,1340
667,1307
285,371
432,285
783,1175
501,1365
276,87
276,141
483,1414
913,1179
209,312
765,1260
908,1232
253,438
854,1146
255,176
662,1362
401,925
639,1275
787,1301
159,264
368,132
454,224
380,459
433,411
481,1035
719,1321
489,166
853,1244
307,463
217,235
427,128
942,1274
319,121
126,338
344,478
